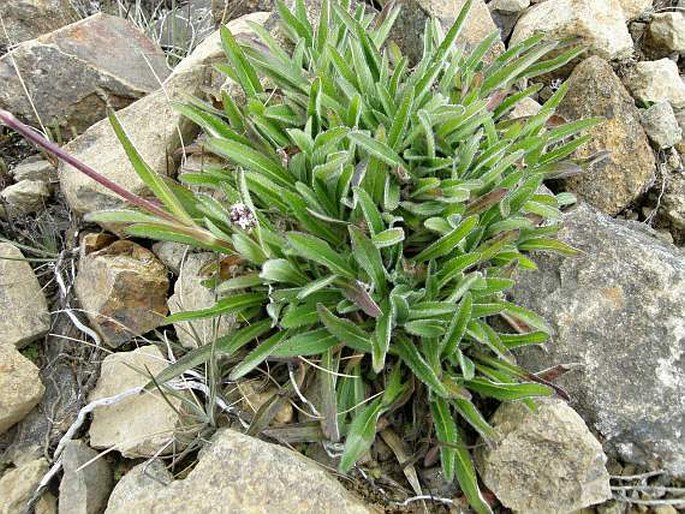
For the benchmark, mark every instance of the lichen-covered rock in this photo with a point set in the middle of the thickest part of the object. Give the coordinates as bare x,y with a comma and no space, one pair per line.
656,81
543,461
153,125
34,168
600,25
667,30
612,183
87,480
672,211
661,125
24,197
17,485
408,29
617,310
237,473
20,386
28,19
142,425
25,315
190,295
70,83
122,289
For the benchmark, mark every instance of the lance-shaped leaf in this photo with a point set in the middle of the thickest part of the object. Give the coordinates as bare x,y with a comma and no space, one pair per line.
446,432
225,306
361,434
411,356
319,251
368,257
377,149
449,241
258,355
346,331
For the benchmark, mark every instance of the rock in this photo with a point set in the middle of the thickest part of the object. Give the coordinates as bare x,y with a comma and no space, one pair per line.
543,461
617,310
87,480
70,83
34,169
509,5
142,425
24,197
171,254
47,504
155,128
665,509
122,289
178,28
224,11
661,125
634,8
238,473
524,108
254,396
672,210
190,294
409,27
599,25
17,485
613,183
20,386
28,19
25,315
656,81
667,30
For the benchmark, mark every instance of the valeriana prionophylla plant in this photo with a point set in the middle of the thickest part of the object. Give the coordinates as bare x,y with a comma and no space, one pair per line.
379,212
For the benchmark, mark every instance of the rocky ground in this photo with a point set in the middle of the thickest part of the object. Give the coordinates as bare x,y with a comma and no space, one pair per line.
80,329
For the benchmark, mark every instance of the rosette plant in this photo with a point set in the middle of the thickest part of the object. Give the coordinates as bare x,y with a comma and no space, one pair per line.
377,212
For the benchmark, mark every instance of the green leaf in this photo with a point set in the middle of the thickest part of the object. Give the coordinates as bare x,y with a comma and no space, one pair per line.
251,159
361,434
380,343
314,342
151,178
346,331
368,257
257,356
528,317
377,149
457,328
226,345
425,327
468,481
241,67
282,270
517,340
448,242
389,237
317,250
411,356
231,305
508,392
240,282
446,432
470,413
370,211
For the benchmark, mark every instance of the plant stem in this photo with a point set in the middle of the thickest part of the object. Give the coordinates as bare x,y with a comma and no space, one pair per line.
38,139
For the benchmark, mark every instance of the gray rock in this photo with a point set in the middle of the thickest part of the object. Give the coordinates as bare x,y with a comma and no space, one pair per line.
612,183
28,19
122,289
171,254
87,480
238,473
34,168
142,425
656,81
667,30
617,309
190,294
24,197
408,29
224,11
17,485
600,25
25,315
20,386
661,125
509,5
155,128
672,210
543,461
69,81
178,29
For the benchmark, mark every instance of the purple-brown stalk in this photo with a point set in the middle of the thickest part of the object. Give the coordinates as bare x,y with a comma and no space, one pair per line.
37,138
